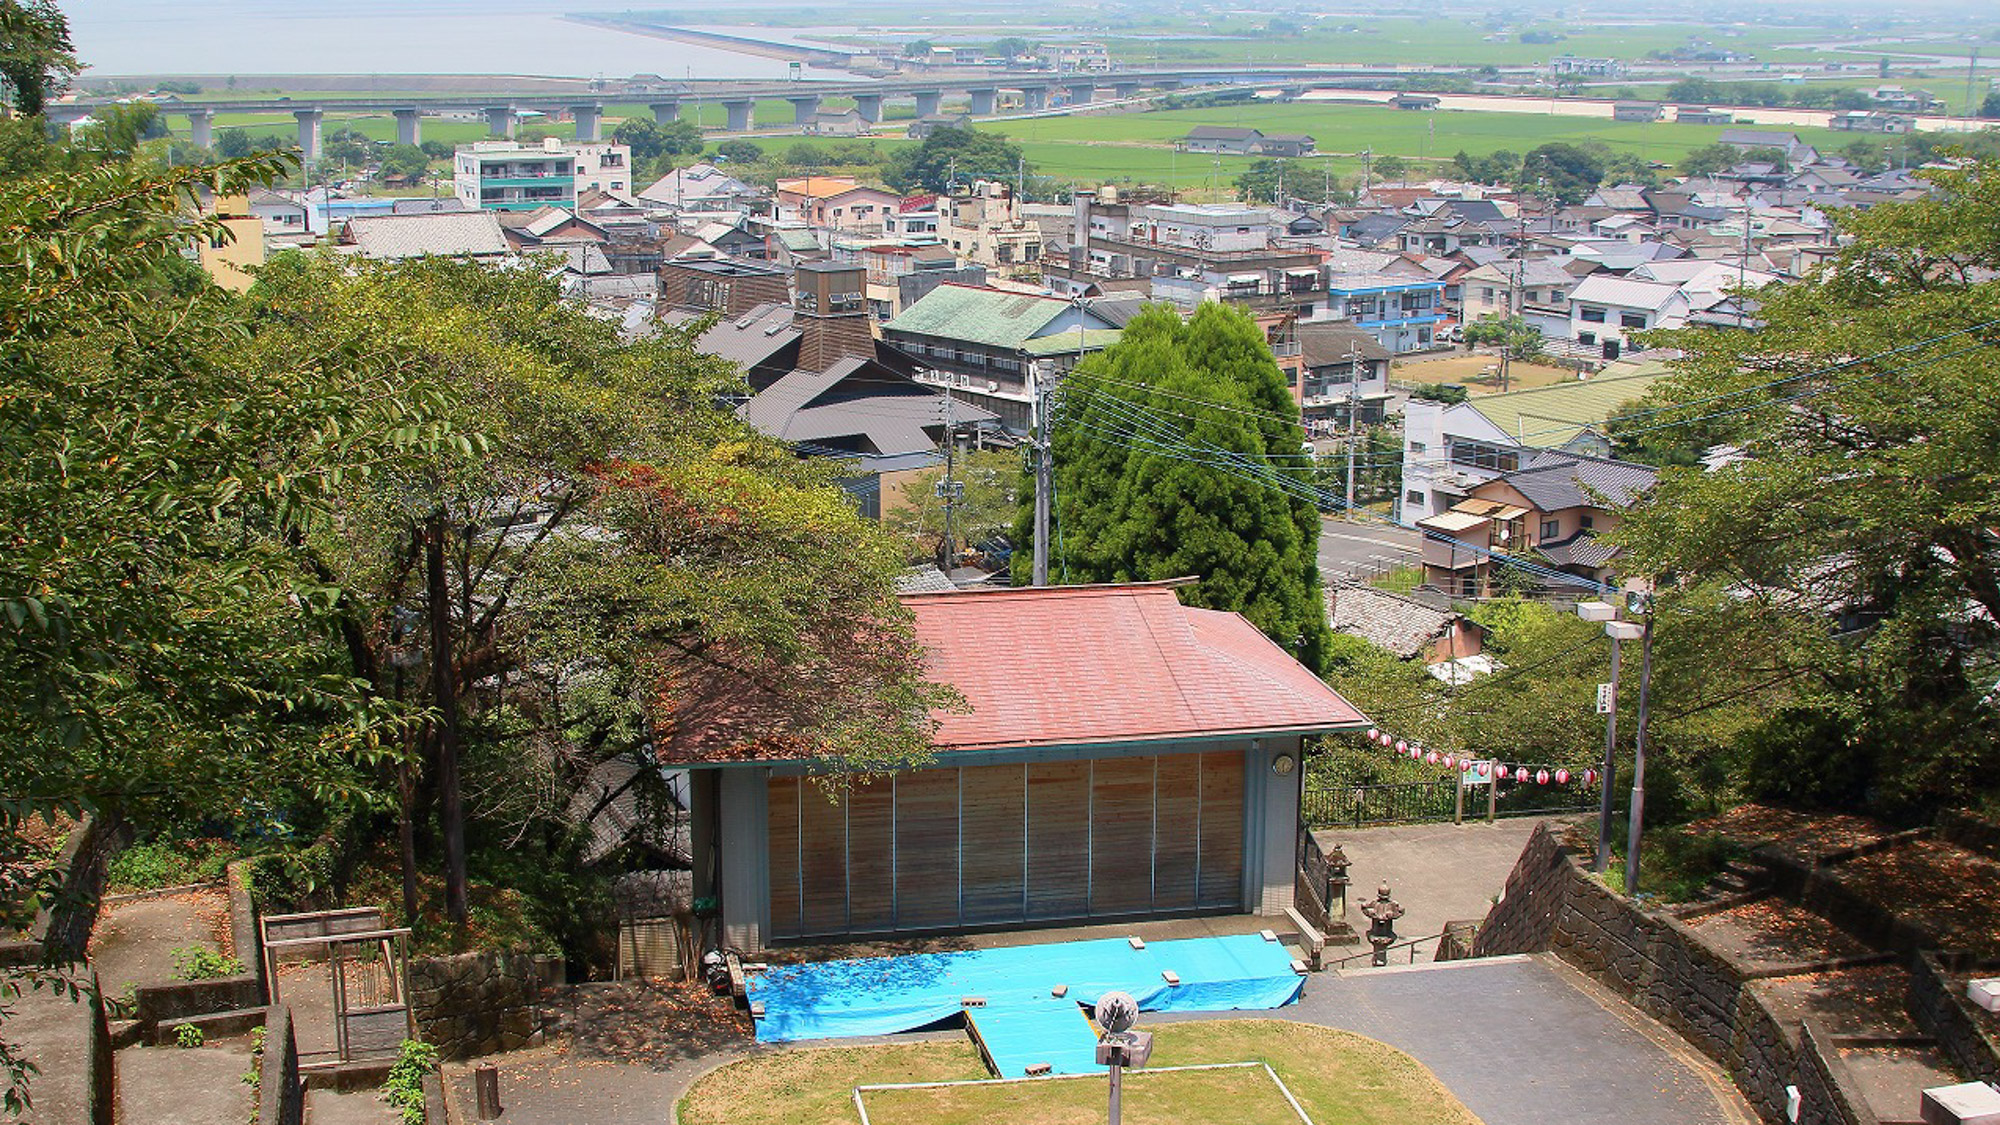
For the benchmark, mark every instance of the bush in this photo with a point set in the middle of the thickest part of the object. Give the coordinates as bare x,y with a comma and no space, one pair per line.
195,962
170,863
404,1088
189,1035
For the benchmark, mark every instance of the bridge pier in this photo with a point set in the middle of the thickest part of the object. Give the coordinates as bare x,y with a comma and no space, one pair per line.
409,126
740,120
500,121
1168,84
1035,98
928,102
869,106
308,120
201,128
1126,90
589,121
666,113
1080,93
803,108
982,101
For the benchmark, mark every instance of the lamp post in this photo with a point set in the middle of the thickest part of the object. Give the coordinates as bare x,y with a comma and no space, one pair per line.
1640,603
1618,631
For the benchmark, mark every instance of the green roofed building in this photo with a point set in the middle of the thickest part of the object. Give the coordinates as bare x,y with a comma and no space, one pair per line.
1450,449
986,344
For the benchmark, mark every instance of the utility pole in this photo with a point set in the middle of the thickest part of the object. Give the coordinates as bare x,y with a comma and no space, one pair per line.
1353,415
1044,475
949,489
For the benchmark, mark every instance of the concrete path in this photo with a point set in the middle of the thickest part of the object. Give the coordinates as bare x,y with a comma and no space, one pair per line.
360,1107
51,1032
133,942
1439,872
1526,1041
550,1087
185,1085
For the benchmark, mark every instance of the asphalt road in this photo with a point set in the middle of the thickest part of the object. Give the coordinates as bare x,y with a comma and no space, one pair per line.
1362,550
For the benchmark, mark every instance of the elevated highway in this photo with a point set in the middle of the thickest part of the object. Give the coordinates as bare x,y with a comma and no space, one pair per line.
980,86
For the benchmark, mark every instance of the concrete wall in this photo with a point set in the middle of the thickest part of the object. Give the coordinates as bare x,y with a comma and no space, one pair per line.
180,999
1938,1003
1662,966
475,1004
281,1097
62,929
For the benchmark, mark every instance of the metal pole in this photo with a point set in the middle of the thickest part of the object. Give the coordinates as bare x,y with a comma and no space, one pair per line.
1603,857
1493,791
1115,1069
1638,813
1043,483
1458,800
1353,413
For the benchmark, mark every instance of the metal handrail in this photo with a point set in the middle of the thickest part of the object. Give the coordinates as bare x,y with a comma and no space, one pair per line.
1411,945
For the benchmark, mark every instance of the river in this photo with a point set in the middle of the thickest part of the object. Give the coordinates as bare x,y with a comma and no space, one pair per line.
223,37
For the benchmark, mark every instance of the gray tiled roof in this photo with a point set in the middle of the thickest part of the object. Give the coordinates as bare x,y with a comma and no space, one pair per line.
856,398
1554,481
1398,625
459,234
750,339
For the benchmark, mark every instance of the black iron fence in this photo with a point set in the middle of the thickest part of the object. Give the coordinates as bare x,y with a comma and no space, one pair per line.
1329,804
1312,884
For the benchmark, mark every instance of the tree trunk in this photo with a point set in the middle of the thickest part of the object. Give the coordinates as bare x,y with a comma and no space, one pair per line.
444,696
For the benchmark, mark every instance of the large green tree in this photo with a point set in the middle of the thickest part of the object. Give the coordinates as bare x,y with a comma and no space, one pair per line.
36,60
1858,530
1565,171
952,155
1170,450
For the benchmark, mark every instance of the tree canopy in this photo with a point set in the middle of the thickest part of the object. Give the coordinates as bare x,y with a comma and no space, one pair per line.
946,155
1194,498
1856,531
1565,171
36,59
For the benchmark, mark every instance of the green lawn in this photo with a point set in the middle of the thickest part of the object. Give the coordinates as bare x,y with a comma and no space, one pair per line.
1239,1095
1340,1078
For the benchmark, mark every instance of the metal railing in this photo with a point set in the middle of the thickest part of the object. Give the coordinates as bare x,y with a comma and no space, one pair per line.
1325,804
1411,946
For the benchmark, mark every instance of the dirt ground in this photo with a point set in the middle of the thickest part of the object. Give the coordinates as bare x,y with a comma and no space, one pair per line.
134,941
1468,368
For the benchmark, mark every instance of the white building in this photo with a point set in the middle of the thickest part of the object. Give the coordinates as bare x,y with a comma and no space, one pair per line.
1605,311
511,176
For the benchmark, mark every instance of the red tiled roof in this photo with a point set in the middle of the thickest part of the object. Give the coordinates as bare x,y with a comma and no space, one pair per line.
1087,665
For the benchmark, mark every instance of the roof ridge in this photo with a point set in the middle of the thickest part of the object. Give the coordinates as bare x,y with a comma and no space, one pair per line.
1081,589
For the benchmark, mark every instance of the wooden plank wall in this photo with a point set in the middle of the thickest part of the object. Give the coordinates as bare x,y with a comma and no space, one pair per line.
984,845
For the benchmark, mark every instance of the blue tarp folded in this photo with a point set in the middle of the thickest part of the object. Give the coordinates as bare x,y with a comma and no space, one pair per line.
884,995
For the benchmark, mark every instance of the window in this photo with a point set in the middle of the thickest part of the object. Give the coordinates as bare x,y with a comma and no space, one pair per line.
1486,293
1586,337
1413,497
1551,529
1631,320
1591,314
1417,447
1479,455
1585,522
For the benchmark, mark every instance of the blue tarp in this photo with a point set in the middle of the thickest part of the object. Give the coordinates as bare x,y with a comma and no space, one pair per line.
885,995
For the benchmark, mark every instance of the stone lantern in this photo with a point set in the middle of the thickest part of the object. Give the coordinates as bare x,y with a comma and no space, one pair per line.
1382,915
1337,881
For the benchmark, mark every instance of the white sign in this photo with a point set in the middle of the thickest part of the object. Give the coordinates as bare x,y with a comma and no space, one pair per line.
1481,773
1606,701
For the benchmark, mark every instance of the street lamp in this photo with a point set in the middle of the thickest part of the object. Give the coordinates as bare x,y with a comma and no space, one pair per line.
1640,603
1607,703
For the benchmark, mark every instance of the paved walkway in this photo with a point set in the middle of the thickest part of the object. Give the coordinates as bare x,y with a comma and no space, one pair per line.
52,1032
185,1085
134,941
1439,872
1529,1041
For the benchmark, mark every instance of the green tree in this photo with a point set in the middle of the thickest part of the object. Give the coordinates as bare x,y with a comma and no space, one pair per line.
805,154
918,49
1391,168
1498,167
1569,172
1266,180
1990,108
649,140
595,566
1012,47
405,160
986,509
1132,508
1512,336
740,151
1710,159
36,60
348,146
1855,536
947,154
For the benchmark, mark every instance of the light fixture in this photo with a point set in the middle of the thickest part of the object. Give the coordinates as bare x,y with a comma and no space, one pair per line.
1596,611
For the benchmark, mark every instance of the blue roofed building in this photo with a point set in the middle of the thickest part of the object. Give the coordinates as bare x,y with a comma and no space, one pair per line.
1402,313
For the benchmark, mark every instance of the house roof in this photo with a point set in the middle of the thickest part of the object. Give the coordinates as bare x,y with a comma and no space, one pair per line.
1398,625
826,187
1581,549
448,234
1093,665
1325,342
980,315
858,402
752,338
1552,482
1550,417
1222,133
1624,292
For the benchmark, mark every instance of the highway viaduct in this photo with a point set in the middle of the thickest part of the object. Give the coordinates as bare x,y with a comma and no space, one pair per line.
982,88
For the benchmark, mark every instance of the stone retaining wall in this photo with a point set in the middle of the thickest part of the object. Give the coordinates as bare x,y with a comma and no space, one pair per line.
1938,1003
62,929
181,999
1665,969
1971,832
476,1003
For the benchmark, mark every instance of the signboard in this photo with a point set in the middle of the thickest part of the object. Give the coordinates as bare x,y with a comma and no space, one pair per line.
1607,701
1481,773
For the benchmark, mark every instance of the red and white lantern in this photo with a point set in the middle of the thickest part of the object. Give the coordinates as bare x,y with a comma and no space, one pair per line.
1465,765
1562,777
1541,777
1372,732
1590,777
1449,761
1402,747
1431,758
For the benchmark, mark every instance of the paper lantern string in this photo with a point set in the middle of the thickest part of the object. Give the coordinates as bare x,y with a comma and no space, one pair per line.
1503,771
